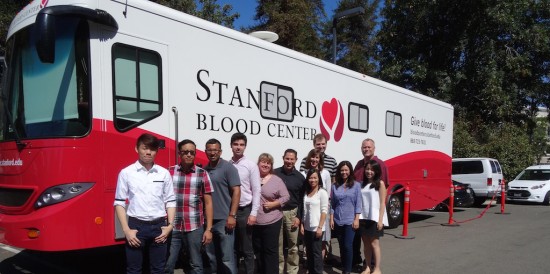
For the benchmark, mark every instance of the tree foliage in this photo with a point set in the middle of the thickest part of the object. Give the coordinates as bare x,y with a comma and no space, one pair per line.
297,22
209,10
8,10
355,36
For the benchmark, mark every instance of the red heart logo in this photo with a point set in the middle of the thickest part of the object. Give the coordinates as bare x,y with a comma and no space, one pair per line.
43,3
331,121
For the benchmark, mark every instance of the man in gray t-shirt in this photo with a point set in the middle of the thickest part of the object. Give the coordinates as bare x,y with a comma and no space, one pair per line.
226,196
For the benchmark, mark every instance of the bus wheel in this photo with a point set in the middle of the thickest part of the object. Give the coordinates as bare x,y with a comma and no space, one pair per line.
395,210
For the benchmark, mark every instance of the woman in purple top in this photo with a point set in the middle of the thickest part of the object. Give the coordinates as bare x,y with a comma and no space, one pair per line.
346,205
265,236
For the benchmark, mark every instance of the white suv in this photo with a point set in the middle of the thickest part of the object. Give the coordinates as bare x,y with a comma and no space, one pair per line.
531,185
483,174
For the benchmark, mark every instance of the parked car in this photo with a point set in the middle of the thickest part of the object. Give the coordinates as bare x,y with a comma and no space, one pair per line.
464,197
531,185
482,174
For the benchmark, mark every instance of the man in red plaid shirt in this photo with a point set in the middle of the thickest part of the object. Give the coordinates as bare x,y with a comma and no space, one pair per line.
194,196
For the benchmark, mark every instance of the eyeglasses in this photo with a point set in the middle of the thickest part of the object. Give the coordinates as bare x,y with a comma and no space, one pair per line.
185,152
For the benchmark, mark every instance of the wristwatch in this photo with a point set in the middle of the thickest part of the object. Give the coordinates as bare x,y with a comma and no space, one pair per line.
234,216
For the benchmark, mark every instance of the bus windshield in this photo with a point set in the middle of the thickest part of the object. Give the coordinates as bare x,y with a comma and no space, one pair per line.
43,100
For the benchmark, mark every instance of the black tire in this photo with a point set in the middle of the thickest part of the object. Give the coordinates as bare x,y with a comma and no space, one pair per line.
546,200
394,210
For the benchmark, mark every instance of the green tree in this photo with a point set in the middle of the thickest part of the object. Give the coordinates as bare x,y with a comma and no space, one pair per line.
355,36
297,22
8,10
489,59
209,10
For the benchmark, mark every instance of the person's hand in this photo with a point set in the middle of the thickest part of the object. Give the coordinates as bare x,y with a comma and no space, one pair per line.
131,238
206,237
251,220
379,225
268,206
295,223
302,230
355,224
331,223
318,232
164,234
230,223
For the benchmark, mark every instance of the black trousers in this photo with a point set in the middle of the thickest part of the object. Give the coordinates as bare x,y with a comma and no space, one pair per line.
314,247
266,247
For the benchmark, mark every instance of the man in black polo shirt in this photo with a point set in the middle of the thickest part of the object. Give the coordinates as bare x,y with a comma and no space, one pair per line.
294,182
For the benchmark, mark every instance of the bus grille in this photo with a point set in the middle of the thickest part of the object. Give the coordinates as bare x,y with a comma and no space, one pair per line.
11,197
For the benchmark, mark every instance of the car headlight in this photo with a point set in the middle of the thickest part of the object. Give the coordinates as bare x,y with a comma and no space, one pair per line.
538,186
60,193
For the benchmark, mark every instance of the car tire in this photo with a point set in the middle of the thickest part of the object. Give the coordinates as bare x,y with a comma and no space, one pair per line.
546,200
394,210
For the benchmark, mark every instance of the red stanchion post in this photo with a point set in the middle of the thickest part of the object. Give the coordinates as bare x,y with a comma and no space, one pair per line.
451,206
406,214
502,197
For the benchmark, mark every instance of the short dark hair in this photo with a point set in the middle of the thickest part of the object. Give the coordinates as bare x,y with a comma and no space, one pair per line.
149,140
185,142
213,141
290,150
318,137
238,136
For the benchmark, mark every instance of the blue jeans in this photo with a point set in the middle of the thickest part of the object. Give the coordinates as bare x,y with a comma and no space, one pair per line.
221,251
157,251
192,244
345,233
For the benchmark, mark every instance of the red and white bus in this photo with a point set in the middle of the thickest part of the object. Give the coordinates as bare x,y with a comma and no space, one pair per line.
84,78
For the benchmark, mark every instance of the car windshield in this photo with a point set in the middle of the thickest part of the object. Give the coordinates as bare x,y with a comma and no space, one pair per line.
41,100
535,175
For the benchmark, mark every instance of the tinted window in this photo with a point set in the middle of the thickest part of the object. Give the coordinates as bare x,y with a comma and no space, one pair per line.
136,85
535,175
467,167
493,166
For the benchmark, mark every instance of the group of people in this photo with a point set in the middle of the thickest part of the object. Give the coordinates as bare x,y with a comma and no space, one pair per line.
242,209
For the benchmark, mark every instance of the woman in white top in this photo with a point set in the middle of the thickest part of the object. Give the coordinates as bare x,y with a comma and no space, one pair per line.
313,220
315,160
373,216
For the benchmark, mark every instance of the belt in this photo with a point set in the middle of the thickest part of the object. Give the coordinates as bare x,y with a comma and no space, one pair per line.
243,207
151,222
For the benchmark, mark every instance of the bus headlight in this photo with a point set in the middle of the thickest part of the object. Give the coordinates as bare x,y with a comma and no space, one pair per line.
60,193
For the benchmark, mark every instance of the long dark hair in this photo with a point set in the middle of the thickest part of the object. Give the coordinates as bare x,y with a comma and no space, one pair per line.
377,173
309,173
351,178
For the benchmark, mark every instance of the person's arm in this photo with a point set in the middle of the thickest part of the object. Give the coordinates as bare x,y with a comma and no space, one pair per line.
209,212
170,202
256,186
382,192
358,205
332,205
324,209
235,198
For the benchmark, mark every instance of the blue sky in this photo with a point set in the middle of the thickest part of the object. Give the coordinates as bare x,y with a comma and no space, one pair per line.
247,9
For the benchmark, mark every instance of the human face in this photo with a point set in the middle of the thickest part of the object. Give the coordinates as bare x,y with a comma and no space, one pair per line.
264,167
367,148
320,145
314,160
146,155
289,160
344,172
313,180
213,152
369,172
238,147
187,154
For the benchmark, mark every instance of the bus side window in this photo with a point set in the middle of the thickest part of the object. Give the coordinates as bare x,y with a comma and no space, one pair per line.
358,117
393,124
137,86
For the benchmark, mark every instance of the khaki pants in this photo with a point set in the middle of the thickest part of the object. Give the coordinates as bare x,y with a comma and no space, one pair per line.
291,236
